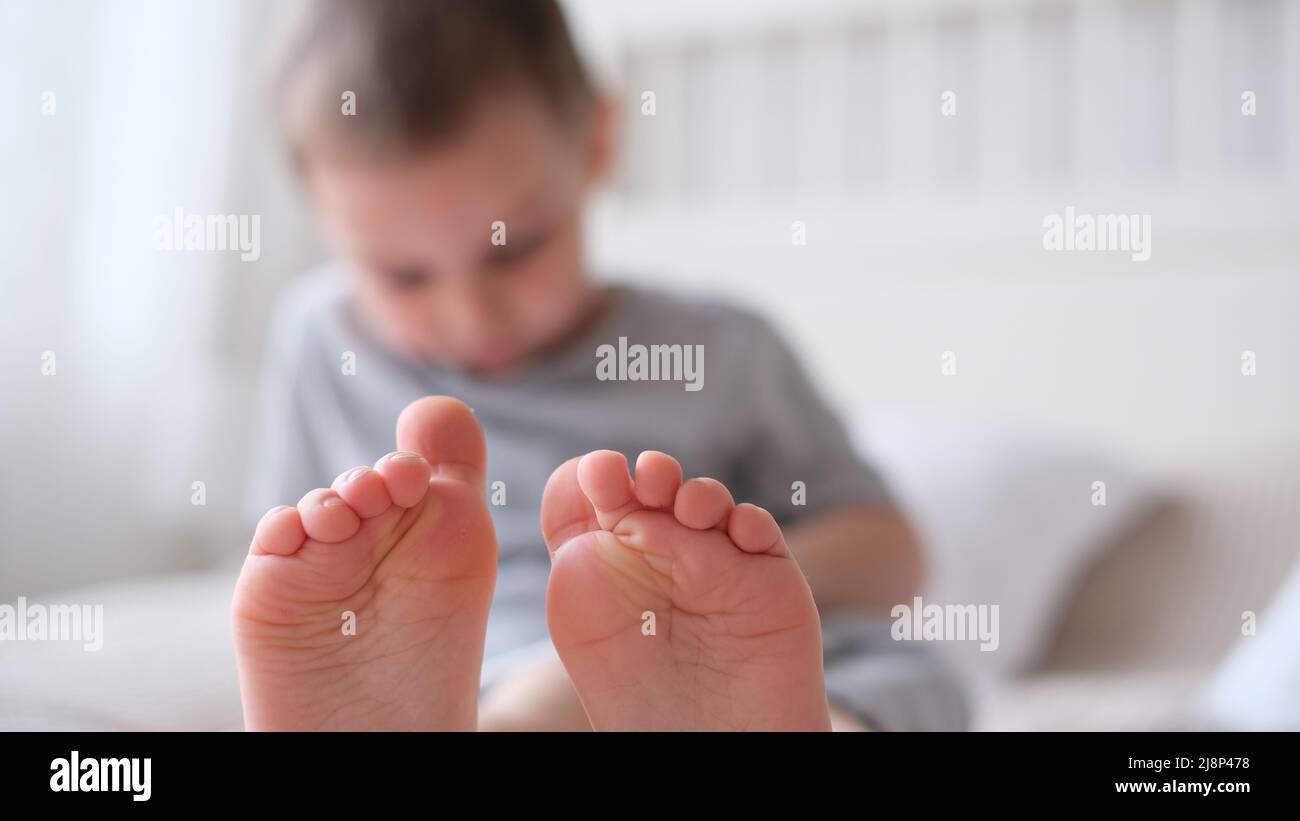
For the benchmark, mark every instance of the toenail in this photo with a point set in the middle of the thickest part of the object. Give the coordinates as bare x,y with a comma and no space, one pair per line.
402,454
354,473
331,501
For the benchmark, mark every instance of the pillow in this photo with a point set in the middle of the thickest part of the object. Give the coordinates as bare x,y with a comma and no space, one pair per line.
1009,517
1258,685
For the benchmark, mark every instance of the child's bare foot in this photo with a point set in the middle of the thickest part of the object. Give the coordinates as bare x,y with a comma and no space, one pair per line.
736,642
405,554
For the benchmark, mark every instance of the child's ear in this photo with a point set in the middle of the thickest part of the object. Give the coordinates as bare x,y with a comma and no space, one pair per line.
601,149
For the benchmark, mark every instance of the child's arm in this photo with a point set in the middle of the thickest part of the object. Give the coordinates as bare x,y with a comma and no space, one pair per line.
852,542
863,557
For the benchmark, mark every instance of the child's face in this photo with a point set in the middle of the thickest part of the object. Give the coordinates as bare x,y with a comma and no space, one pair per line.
419,232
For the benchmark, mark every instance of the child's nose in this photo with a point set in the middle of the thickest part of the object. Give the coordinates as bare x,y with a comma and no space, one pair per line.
473,312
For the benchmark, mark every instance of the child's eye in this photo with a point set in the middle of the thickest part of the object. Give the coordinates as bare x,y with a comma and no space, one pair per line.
517,250
405,279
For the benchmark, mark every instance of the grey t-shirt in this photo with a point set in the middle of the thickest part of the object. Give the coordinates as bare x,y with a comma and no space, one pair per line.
756,424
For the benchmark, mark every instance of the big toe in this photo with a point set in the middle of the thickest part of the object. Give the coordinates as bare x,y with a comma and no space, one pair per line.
444,431
566,510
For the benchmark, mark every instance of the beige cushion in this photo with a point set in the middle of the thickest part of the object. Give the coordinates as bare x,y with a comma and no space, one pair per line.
1171,594
1149,622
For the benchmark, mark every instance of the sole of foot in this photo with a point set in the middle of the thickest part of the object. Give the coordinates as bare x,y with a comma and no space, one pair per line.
673,608
364,606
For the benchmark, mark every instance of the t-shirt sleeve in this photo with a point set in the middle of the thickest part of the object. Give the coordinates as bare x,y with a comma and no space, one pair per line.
795,437
285,461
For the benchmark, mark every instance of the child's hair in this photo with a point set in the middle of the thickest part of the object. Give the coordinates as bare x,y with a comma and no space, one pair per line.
418,67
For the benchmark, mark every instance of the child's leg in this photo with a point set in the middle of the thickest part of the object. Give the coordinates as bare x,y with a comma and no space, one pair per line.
536,696
365,606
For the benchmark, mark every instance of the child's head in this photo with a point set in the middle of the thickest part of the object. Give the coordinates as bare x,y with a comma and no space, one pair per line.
427,129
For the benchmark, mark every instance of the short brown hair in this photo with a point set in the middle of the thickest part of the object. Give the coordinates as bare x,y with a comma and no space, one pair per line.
418,67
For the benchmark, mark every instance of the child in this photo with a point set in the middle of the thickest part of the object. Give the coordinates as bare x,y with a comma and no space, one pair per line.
453,194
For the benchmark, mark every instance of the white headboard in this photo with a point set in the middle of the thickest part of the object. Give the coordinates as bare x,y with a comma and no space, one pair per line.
924,229
843,99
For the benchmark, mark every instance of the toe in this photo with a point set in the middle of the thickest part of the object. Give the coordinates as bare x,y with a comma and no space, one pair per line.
702,504
406,475
364,491
603,477
326,517
658,476
753,530
444,431
280,532
566,510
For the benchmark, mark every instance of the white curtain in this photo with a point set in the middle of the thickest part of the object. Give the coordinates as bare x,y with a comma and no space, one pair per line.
118,112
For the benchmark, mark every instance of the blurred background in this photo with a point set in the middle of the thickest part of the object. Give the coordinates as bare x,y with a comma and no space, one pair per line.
924,246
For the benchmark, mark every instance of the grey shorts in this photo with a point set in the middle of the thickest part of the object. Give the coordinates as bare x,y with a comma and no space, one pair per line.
891,685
